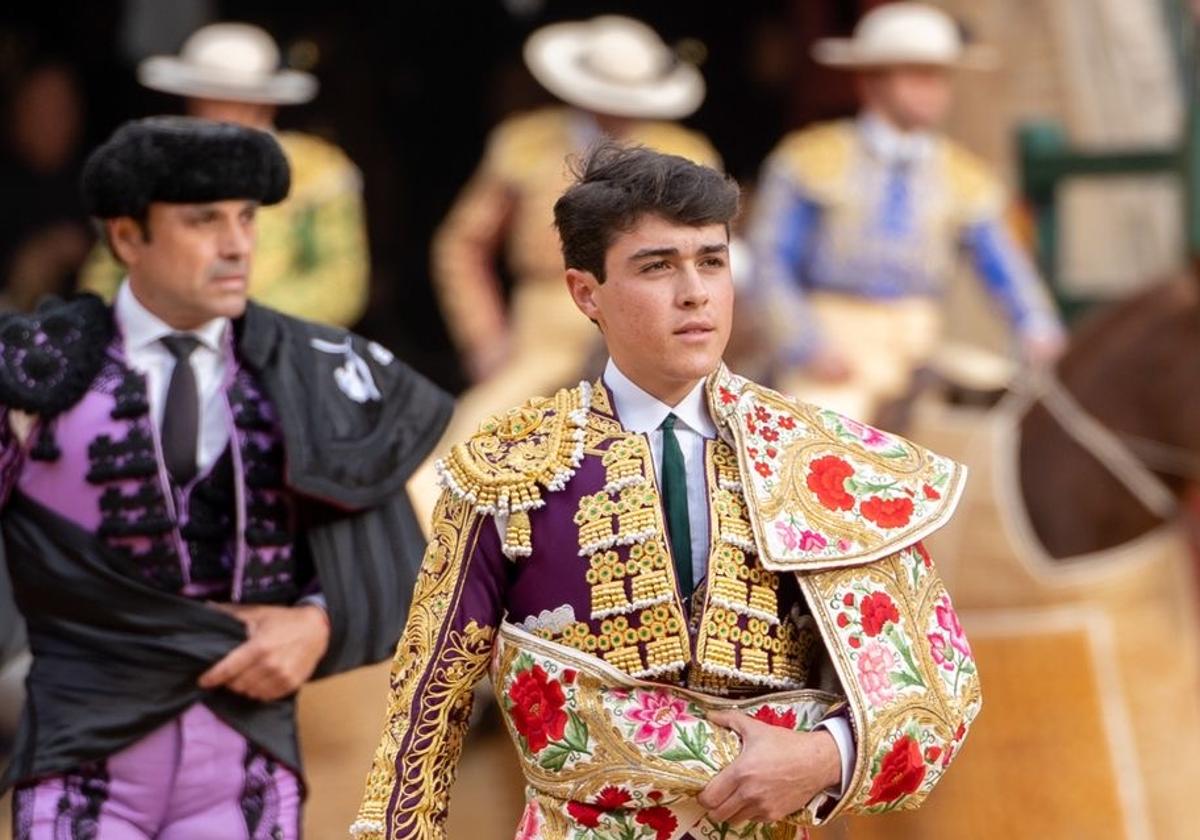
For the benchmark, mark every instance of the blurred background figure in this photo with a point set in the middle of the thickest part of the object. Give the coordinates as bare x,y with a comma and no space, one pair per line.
44,236
858,223
312,259
616,78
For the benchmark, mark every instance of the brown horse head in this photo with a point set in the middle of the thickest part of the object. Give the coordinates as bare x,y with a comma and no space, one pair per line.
1135,367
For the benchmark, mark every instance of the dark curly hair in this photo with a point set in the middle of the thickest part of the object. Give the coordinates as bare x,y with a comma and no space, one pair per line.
616,185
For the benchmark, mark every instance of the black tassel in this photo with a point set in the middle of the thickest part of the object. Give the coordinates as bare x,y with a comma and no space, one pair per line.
46,448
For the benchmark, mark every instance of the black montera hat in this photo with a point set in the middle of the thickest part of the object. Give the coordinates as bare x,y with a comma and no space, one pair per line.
182,160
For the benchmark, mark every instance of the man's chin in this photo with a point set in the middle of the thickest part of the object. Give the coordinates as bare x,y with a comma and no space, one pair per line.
229,306
694,365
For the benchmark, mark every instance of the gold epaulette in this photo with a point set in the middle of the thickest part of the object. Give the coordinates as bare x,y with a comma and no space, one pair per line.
673,139
524,141
320,170
818,158
976,192
516,457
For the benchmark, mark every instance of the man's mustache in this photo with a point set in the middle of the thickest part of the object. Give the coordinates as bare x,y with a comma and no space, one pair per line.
229,269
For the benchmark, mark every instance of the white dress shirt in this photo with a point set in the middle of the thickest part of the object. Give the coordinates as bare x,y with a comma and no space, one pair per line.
643,413
141,331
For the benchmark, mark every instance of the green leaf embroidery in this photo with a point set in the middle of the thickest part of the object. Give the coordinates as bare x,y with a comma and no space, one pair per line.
577,733
554,757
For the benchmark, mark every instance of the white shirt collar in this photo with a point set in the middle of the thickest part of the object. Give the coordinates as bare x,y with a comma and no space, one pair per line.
891,144
641,412
141,328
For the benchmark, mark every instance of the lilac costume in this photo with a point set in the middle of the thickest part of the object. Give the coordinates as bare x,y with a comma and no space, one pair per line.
112,562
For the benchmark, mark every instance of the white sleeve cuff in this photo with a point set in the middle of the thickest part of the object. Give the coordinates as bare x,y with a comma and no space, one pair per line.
845,739
317,599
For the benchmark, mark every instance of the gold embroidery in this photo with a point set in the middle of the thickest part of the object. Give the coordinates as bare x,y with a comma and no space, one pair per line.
515,457
518,535
443,674
633,591
614,757
740,636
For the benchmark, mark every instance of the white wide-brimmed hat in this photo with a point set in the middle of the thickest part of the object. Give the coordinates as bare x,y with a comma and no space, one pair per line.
230,61
904,33
614,65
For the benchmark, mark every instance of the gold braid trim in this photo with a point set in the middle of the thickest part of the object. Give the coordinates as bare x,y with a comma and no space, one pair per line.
515,457
444,674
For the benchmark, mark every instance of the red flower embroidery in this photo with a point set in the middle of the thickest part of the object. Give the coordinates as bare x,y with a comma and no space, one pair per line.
924,553
660,819
932,754
843,620
827,478
769,716
901,773
877,610
584,814
569,675
752,451
786,422
888,513
769,434
763,469
612,798
855,642
772,451
931,493
538,708
762,415
947,756
727,396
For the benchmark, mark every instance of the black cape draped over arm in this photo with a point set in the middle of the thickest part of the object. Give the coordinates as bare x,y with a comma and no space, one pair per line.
114,659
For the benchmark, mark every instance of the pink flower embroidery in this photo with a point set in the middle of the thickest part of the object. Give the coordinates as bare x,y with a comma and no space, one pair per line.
940,650
947,619
789,535
874,673
657,713
872,438
803,540
843,544
812,541
531,822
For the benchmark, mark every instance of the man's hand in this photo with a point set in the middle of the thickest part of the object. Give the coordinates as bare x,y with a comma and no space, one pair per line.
282,651
778,772
1043,350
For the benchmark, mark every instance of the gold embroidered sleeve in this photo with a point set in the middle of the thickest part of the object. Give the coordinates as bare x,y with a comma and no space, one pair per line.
443,653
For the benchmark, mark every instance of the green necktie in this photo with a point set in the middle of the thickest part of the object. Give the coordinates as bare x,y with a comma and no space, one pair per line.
674,491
